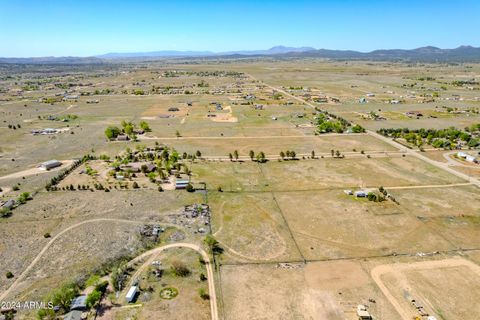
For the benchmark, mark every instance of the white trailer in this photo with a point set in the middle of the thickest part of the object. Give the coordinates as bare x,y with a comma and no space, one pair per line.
131,294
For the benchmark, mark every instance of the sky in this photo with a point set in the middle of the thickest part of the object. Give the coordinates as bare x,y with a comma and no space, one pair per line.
85,28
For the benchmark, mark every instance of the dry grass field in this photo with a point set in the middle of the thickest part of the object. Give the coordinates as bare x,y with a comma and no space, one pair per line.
295,245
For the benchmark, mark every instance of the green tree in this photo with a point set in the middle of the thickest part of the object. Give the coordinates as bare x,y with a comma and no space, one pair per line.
235,154
282,155
251,154
112,132
129,129
213,244
93,298
144,125
63,296
23,197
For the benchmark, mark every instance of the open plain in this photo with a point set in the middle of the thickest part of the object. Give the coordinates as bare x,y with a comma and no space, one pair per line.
238,159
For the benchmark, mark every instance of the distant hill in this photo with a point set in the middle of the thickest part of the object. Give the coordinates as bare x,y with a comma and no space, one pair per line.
173,53
423,54
164,53
53,60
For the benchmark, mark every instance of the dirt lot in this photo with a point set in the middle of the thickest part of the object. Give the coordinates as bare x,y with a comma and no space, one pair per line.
320,290
449,292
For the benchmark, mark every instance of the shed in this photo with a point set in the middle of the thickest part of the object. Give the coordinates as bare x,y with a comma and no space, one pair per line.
362,313
181,184
47,165
122,137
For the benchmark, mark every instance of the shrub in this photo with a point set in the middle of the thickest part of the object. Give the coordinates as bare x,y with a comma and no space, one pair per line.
190,188
9,275
5,212
203,294
180,269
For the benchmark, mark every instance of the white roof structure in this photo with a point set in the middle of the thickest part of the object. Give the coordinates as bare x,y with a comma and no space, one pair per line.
131,293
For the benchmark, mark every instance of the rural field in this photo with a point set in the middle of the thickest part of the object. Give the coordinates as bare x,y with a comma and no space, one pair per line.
241,189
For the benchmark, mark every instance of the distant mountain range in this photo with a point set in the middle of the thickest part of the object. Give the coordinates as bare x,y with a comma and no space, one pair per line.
423,54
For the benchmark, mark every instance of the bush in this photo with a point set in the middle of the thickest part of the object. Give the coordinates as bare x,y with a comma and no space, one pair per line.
93,298
9,275
23,197
203,294
190,188
47,235
180,269
5,212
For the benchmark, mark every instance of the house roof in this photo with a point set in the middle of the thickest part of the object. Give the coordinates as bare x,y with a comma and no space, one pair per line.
79,302
73,315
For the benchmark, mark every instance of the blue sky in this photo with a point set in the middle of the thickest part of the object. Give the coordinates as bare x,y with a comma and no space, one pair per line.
84,27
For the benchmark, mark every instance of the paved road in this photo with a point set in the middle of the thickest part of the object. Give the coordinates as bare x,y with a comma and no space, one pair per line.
208,265
440,165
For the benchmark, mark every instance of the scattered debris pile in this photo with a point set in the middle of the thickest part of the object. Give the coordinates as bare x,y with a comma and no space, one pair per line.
151,232
194,216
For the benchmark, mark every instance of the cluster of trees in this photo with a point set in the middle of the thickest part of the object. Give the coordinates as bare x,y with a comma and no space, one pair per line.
62,174
128,128
327,122
14,127
234,155
438,138
289,154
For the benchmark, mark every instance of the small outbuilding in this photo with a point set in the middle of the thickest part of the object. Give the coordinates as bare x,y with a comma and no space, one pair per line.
360,194
9,204
181,184
47,165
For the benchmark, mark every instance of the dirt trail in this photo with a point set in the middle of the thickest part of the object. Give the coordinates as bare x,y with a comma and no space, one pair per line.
250,137
431,186
381,270
208,264
24,274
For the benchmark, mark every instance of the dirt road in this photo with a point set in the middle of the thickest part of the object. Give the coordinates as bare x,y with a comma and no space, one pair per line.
381,270
24,274
208,264
33,171
440,165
